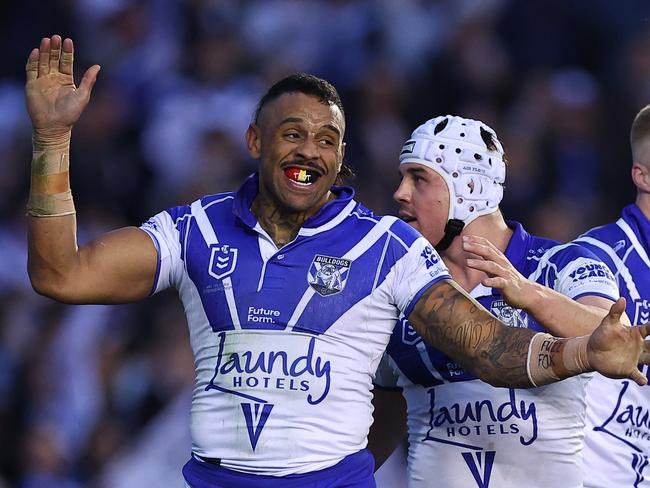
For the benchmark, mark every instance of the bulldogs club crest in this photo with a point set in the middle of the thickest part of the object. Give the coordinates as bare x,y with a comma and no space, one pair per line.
223,260
508,315
328,275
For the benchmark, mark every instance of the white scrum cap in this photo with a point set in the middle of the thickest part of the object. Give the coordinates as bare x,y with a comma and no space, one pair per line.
458,150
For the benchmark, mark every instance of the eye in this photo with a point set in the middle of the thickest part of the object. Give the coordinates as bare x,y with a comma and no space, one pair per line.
326,141
292,135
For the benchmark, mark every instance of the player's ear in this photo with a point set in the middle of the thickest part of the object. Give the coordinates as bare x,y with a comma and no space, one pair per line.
254,140
641,176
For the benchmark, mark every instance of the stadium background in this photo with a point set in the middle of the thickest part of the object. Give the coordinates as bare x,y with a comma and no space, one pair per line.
98,396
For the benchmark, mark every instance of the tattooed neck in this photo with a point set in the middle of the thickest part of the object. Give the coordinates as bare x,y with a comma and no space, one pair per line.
281,226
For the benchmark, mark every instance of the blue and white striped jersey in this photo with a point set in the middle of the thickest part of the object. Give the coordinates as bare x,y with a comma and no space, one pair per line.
617,438
286,341
463,432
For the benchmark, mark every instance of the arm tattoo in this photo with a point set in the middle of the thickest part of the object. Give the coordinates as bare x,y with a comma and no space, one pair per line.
449,319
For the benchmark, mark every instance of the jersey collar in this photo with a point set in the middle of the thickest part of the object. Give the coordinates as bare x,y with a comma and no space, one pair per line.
518,244
325,218
639,223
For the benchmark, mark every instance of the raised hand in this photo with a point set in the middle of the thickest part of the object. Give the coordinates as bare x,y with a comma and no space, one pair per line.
615,349
54,103
501,274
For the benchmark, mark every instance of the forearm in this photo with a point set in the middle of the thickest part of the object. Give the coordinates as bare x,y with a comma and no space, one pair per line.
447,318
52,240
561,315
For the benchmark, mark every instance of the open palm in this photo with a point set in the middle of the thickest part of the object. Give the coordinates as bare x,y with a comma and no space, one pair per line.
53,101
615,349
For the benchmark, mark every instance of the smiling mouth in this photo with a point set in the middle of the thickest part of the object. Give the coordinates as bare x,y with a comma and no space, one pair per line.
302,176
407,218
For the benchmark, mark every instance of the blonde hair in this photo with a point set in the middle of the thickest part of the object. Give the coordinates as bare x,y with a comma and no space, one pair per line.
639,133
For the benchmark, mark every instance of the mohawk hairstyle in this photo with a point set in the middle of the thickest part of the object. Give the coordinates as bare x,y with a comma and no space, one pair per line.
302,83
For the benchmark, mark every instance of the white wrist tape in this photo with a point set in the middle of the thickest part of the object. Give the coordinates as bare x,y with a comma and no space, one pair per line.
552,359
50,195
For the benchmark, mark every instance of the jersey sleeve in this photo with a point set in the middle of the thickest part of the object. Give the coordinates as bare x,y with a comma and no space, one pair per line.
415,272
166,236
584,274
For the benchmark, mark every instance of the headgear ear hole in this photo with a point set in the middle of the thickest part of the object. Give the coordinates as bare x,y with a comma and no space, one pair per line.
441,126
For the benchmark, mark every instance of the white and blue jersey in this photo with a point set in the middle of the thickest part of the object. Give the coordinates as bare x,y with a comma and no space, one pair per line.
286,341
617,438
463,432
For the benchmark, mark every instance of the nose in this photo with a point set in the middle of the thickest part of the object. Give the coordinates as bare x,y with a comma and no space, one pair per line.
308,148
402,194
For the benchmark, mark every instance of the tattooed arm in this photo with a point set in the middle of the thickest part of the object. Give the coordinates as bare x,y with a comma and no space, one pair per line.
449,319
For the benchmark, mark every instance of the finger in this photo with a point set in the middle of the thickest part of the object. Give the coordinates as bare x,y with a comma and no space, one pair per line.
479,240
638,377
489,267
495,282
476,239
67,57
645,353
88,80
644,330
55,53
477,249
44,57
617,309
485,249
32,65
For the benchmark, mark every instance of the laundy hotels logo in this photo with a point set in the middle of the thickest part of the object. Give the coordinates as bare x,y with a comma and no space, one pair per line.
248,374
459,423
328,275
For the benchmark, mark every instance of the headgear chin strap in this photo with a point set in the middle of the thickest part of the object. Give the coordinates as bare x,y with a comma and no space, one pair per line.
470,158
453,228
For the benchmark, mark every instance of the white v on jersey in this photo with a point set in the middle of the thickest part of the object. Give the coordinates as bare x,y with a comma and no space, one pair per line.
617,437
463,433
286,341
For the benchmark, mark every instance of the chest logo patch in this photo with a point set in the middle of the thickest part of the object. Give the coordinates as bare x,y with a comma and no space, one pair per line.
223,260
328,275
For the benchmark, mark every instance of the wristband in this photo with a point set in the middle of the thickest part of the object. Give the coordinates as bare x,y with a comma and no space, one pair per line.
551,359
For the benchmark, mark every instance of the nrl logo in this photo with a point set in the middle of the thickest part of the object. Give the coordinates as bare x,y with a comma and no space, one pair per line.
642,312
223,260
328,275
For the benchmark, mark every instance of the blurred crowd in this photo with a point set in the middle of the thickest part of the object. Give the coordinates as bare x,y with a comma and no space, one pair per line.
559,80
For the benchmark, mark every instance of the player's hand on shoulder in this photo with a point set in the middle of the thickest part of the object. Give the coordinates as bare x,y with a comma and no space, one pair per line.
501,274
